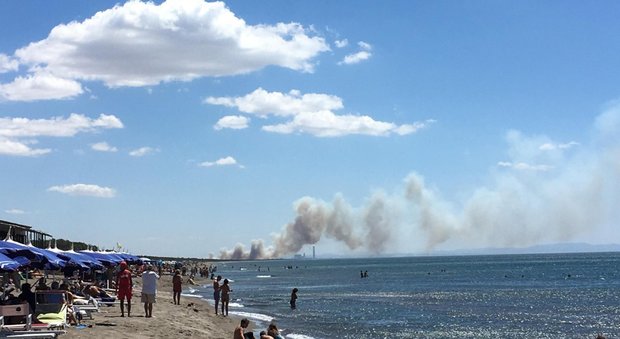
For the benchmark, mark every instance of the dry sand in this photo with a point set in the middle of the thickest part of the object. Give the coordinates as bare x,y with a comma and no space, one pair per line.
193,318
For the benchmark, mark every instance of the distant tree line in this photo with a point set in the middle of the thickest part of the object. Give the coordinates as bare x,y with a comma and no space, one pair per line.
65,245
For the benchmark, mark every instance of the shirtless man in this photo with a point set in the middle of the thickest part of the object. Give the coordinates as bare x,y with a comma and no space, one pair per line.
238,334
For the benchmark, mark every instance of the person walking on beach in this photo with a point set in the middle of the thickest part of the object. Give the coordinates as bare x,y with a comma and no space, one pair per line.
294,298
225,291
216,291
124,285
149,290
177,283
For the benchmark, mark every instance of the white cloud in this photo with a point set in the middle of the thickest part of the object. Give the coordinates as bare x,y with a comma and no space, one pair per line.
57,126
522,166
20,148
232,122
328,124
14,211
13,131
363,54
311,113
7,64
342,43
142,43
40,87
142,151
263,103
103,147
227,161
85,190
551,146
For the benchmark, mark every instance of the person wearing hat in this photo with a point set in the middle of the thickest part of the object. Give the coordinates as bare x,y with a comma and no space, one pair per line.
124,284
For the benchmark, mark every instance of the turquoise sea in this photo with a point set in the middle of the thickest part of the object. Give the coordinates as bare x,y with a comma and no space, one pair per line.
499,296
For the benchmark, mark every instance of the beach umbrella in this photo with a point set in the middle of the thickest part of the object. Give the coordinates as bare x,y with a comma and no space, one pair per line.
130,258
38,257
8,265
78,260
105,258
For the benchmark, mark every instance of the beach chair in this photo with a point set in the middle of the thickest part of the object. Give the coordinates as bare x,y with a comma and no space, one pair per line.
18,314
92,306
51,310
23,327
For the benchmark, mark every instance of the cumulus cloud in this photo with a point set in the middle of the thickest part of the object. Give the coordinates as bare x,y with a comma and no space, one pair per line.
514,208
341,43
328,124
103,147
232,122
16,134
311,113
143,43
40,87
263,103
85,190
227,161
363,54
8,64
142,151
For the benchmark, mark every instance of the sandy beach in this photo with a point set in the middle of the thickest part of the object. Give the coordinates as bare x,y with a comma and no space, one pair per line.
193,318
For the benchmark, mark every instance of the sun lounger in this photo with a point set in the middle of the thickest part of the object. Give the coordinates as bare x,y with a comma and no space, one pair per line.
91,306
18,312
24,328
51,309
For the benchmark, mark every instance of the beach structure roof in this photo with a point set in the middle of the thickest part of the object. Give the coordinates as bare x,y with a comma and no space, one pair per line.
22,233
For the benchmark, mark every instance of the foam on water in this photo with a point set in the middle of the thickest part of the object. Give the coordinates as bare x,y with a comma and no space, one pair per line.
298,336
255,316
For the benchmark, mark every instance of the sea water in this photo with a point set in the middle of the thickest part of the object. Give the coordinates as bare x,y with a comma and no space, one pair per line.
499,296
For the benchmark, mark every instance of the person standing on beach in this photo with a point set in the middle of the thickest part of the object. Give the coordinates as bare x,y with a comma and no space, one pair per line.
177,283
225,290
124,285
149,290
216,291
294,298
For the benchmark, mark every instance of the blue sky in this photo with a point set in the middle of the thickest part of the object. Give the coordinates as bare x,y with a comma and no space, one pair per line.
257,129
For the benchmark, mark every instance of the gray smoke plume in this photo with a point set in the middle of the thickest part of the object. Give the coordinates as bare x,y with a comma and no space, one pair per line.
544,191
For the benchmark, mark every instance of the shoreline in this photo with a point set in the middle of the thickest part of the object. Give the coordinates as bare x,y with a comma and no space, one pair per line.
194,317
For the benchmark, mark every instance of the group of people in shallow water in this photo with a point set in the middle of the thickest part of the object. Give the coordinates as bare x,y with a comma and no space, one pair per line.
272,331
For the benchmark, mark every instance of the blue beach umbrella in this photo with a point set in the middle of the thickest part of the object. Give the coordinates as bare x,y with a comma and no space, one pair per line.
8,265
38,257
78,260
130,258
107,259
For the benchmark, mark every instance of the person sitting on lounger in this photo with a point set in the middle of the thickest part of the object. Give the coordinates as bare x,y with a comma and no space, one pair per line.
28,296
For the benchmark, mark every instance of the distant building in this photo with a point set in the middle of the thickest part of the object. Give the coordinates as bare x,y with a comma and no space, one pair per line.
23,233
